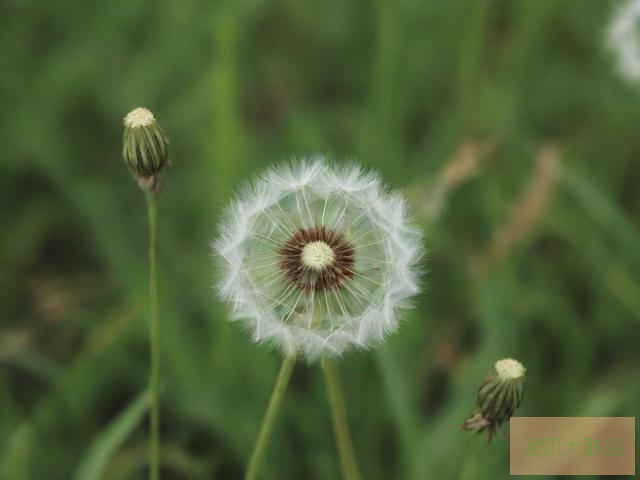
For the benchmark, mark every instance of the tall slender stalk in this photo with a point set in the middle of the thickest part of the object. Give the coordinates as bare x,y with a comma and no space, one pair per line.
269,418
154,423
340,422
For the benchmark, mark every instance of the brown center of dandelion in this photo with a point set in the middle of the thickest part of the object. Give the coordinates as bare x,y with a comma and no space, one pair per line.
316,259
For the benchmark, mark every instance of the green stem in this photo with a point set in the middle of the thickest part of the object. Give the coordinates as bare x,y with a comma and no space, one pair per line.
154,424
340,422
269,418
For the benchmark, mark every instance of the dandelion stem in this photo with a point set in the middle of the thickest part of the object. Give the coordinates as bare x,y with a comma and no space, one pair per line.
154,422
340,422
270,417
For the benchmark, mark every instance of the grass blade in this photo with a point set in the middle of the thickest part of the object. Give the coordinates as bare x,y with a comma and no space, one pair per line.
111,439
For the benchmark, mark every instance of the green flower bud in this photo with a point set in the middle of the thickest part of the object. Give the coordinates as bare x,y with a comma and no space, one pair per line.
499,395
144,147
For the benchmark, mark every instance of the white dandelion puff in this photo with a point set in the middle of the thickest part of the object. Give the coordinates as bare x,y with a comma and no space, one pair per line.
622,38
317,259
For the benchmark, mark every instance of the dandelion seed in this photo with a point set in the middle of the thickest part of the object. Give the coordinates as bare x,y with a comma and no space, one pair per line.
317,259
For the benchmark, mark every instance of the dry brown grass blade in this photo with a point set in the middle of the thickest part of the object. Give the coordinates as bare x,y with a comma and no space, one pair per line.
467,162
527,210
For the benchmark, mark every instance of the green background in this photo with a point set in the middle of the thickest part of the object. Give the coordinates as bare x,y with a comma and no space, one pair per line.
504,122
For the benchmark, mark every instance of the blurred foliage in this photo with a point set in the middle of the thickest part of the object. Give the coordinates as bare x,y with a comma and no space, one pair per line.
505,123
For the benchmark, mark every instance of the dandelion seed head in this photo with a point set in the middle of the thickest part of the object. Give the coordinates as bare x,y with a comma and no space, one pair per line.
624,40
317,258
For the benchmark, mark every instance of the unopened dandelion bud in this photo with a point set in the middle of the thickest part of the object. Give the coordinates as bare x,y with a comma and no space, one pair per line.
499,395
144,148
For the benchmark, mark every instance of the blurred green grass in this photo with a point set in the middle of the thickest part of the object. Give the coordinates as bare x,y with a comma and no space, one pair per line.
542,265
